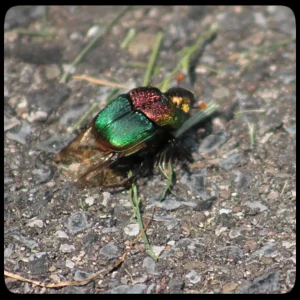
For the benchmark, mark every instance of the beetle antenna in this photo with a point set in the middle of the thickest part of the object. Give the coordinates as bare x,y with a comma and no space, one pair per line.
202,105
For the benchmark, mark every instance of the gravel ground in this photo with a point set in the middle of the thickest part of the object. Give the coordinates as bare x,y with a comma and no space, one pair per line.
228,226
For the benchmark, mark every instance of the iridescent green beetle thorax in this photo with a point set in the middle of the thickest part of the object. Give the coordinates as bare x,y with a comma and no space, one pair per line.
164,109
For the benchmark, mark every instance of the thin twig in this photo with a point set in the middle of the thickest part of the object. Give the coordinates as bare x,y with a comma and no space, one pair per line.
51,285
42,34
252,133
99,81
86,280
259,111
285,184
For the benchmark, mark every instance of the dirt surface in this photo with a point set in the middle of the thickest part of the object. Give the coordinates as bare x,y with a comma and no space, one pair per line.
228,226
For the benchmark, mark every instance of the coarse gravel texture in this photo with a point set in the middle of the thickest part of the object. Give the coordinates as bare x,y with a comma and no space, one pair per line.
230,224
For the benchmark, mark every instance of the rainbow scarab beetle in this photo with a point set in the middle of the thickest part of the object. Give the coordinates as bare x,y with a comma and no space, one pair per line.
130,128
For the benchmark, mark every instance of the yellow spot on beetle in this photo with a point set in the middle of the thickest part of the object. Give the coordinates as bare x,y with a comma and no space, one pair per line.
177,100
185,107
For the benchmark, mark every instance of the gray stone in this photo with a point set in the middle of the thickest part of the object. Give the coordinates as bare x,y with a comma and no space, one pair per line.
132,229
20,137
256,205
193,277
80,275
231,252
37,116
168,220
141,279
38,263
28,242
65,248
205,205
106,197
150,288
127,289
70,264
264,284
61,234
89,201
42,175
267,251
149,266
157,249
52,71
8,180
73,290
137,289
242,180
176,286
8,251
196,182
224,211
78,222
27,288
213,142
291,129
168,204
225,220
110,250
238,232
10,123
229,162
35,223
185,243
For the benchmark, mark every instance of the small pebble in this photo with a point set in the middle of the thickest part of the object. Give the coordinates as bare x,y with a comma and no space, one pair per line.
89,201
158,250
193,277
70,264
37,223
65,248
61,234
224,211
132,229
52,71
55,278
52,269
